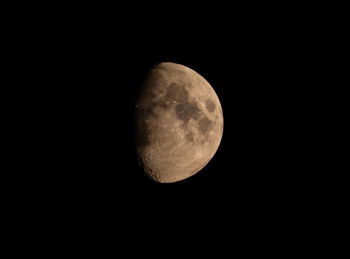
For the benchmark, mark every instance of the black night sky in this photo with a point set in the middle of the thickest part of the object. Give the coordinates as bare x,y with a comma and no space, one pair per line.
261,68
258,77
257,71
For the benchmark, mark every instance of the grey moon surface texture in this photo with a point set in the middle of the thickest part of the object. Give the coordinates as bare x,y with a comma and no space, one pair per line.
179,123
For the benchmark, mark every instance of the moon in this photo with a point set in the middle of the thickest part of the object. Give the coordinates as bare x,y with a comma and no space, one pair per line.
178,123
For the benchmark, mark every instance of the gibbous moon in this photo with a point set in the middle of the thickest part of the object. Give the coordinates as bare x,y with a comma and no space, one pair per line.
179,123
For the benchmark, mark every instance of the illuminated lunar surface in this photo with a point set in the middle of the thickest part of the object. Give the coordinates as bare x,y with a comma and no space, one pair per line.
179,123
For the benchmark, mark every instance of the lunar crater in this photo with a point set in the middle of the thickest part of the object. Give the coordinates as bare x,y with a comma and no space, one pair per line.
209,104
189,136
205,125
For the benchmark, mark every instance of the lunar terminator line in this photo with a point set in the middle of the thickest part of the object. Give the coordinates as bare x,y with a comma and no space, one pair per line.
179,123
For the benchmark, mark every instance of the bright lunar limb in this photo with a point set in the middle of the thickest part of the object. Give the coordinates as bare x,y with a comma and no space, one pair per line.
179,123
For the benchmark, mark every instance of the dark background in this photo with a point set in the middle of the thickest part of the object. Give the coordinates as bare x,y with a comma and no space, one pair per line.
84,71
258,73
260,80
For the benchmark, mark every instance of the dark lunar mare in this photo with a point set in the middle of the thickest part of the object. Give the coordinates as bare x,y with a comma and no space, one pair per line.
184,110
209,104
177,93
205,125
